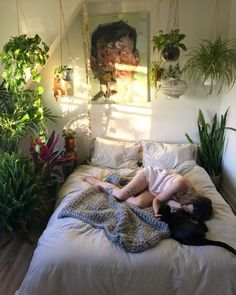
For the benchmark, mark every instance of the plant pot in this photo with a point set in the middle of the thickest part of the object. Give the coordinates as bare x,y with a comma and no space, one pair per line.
159,73
67,74
69,146
173,88
170,53
216,181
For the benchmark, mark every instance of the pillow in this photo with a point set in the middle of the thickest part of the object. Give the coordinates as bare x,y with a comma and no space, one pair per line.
115,154
167,155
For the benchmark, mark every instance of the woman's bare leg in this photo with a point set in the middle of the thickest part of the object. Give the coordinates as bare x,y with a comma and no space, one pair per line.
143,200
134,187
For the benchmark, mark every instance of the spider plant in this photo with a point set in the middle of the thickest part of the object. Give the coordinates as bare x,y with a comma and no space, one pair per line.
211,146
214,62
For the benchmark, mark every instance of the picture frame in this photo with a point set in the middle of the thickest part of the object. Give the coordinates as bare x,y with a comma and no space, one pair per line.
119,59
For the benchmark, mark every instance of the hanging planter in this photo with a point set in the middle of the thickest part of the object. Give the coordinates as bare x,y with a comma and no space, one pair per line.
156,73
65,72
172,85
169,44
213,64
170,53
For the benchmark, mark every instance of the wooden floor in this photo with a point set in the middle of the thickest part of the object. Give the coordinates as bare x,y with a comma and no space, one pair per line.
15,257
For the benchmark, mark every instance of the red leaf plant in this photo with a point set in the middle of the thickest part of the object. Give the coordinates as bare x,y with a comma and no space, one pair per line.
45,156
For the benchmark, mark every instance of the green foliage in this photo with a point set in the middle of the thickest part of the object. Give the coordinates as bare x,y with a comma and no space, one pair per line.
212,139
172,72
21,109
22,193
214,61
171,39
20,54
156,72
60,69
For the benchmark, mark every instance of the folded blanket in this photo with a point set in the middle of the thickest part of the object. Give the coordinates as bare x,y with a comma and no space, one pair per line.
129,227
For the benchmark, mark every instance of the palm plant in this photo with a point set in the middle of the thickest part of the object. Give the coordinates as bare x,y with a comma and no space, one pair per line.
214,62
212,139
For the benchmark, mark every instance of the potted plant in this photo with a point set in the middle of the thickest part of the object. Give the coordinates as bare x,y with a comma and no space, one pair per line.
21,109
173,71
171,84
68,134
156,72
213,62
23,195
169,44
65,72
211,145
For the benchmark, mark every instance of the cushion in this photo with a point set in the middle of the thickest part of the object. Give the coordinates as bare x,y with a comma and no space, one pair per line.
167,155
115,154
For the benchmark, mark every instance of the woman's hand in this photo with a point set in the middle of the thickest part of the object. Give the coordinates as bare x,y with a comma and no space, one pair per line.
156,206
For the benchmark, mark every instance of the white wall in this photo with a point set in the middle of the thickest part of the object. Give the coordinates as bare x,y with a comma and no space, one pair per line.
228,100
162,119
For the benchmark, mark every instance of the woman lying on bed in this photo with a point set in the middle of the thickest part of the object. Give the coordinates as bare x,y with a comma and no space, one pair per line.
155,186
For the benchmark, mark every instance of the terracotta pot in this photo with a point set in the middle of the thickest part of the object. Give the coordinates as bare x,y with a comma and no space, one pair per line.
69,147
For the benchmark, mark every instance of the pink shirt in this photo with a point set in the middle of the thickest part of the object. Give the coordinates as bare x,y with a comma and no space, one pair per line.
159,179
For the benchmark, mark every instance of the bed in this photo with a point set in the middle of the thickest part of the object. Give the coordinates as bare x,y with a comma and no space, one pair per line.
72,257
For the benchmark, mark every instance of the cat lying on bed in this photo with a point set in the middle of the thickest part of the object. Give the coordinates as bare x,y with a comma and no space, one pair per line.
188,231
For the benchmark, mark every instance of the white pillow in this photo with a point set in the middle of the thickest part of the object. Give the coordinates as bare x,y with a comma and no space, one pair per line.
167,155
115,154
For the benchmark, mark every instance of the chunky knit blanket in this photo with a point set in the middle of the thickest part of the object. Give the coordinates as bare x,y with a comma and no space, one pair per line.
129,227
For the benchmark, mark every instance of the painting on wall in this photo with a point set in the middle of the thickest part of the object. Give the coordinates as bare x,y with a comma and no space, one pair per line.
119,58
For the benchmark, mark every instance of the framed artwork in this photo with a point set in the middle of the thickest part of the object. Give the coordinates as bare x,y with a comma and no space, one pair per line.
118,57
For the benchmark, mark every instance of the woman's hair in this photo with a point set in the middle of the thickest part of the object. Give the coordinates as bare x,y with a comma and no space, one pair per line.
202,206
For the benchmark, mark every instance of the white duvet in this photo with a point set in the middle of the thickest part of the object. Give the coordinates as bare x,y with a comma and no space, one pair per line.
73,258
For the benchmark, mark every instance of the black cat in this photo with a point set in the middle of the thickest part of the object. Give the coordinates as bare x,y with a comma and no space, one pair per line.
188,231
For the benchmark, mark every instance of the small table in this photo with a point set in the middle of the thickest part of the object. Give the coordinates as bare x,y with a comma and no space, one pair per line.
68,166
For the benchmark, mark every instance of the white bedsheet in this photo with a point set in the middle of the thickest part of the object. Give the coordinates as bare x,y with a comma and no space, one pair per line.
73,258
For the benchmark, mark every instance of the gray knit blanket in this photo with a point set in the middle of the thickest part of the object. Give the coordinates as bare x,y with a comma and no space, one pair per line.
129,227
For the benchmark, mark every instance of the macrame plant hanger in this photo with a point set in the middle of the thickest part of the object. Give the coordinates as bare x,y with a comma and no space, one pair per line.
173,16
86,38
62,80
173,87
215,24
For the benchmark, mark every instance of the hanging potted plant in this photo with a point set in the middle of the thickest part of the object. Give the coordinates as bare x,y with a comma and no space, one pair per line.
213,63
21,109
156,72
65,72
171,84
169,44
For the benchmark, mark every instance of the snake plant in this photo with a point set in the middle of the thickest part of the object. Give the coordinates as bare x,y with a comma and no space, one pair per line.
211,142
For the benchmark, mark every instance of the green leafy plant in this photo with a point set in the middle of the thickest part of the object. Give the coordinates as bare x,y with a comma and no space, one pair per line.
173,72
46,157
213,61
212,140
68,132
171,39
60,69
156,72
23,194
20,55
21,109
